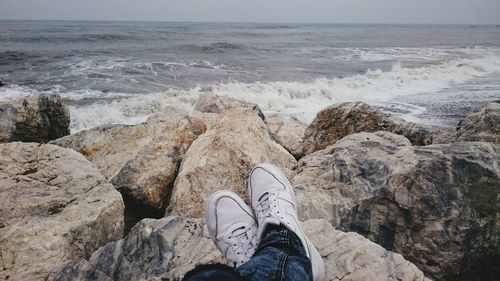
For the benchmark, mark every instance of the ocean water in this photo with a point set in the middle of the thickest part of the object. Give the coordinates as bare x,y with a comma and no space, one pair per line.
120,72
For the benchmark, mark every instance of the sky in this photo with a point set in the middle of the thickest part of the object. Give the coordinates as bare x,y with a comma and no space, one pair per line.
299,11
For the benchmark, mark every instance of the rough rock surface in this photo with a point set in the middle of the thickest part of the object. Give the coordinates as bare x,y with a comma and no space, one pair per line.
483,124
222,159
437,205
140,160
286,131
166,249
211,103
55,207
337,121
34,119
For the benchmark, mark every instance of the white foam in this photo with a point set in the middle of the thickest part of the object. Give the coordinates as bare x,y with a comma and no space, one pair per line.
301,99
128,111
397,53
12,92
305,99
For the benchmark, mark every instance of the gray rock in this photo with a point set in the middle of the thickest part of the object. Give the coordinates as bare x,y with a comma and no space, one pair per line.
286,131
437,205
140,160
483,124
166,249
222,159
337,121
211,103
34,119
56,207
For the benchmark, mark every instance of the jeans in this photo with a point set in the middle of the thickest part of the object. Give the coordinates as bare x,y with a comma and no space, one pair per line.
279,256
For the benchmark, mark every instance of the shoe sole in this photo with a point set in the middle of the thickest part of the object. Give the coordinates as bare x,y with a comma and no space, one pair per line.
314,255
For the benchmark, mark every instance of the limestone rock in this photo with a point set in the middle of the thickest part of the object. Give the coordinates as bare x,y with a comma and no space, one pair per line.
140,160
222,158
55,207
483,124
286,131
337,121
211,103
166,249
153,250
437,205
34,119
350,256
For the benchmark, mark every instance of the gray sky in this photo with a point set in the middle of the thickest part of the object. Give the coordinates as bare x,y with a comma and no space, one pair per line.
350,11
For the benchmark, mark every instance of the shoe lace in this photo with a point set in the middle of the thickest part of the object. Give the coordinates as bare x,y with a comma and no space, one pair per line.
242,240
264,206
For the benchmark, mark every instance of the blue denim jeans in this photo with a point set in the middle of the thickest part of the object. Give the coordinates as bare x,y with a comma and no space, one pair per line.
279,256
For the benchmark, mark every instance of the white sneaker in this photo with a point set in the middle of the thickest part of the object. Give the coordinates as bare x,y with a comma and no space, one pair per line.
231,226
273,201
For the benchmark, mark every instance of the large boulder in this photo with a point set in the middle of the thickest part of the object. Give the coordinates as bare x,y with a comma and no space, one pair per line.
337,121
222,158
166,249
140,160
437,205
34,119
286,131
212,103
483,124
55,207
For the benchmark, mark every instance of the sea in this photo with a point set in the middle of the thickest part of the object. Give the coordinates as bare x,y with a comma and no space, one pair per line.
121,72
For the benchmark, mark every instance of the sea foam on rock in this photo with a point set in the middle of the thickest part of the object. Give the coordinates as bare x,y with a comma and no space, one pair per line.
167,248
55,207
436,205
34,119
337,121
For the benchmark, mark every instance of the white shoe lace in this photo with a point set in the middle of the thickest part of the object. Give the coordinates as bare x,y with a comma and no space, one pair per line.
267,207
243,242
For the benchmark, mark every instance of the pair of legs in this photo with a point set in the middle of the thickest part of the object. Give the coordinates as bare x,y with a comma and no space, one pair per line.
263,241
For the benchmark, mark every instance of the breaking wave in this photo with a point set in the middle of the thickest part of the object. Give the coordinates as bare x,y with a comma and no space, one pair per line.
301,99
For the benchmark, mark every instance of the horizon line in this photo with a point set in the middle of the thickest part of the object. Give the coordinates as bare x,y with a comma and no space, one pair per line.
255,22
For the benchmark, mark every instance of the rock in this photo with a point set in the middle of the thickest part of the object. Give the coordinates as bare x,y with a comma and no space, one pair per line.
166,249
222,158
286,131
34,119
140,160
153,250
55,207
337,121
2,84
350,256
211,103
437,205
483,124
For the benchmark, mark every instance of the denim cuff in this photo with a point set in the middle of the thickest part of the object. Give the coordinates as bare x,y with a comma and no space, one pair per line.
214,271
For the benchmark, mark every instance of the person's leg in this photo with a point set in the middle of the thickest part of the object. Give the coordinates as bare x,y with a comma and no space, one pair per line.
212,272
282,237
279,256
